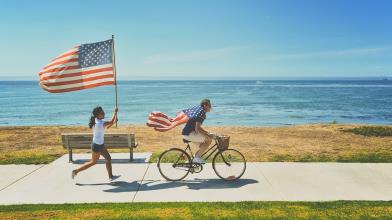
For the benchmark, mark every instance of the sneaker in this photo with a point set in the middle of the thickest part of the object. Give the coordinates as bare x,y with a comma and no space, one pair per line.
198,160
73,174
114,177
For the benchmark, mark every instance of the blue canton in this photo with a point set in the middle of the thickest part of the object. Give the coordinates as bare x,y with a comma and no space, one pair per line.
194,112
95,54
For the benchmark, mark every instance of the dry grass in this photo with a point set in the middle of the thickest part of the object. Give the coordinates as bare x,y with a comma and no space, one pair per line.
322,142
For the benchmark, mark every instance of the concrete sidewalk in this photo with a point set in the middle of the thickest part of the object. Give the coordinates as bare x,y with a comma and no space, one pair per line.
141,181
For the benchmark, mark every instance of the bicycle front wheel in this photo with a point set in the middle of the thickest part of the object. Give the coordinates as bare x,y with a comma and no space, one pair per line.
229,164
174,164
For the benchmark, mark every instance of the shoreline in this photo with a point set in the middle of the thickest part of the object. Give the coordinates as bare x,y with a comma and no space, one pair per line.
326,78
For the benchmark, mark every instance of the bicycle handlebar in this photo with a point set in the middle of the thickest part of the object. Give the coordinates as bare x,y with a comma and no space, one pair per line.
215,136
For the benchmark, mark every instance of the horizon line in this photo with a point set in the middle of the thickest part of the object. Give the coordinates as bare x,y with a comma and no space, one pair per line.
237,78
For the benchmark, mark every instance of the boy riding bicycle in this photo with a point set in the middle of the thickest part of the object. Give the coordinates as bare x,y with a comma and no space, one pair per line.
195,133
175,164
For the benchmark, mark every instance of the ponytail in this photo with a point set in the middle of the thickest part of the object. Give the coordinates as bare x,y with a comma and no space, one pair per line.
96,111
92,122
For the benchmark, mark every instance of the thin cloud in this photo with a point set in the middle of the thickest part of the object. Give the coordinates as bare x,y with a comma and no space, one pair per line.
347,52
196,55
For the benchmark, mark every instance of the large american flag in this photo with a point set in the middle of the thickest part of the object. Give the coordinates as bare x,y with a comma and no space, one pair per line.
84,66
161,122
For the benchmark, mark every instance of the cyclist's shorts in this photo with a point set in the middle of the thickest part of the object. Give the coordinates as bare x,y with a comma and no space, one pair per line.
195,137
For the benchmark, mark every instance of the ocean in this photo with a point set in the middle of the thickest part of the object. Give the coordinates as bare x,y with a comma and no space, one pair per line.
243,103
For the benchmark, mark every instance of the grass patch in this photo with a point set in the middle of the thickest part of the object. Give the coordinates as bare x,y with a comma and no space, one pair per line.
361,157
281,158
372,131
369,157
154,157
302,158
26,157
204,210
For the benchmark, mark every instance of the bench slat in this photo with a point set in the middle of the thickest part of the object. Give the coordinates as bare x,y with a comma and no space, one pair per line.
90,134
72,142
77,144
119,140
108,147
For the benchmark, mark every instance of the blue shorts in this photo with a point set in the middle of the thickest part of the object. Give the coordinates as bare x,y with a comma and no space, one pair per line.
97,147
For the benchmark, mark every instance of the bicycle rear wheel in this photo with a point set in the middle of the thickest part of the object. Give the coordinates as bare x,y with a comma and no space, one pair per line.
174,164
229,164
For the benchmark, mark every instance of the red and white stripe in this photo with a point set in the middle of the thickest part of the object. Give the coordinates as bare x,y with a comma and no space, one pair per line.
63,74
161,122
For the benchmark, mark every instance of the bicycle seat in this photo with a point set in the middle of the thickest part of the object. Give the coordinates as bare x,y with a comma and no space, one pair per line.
186,141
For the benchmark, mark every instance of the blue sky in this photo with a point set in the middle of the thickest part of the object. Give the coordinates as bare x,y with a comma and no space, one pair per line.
204,39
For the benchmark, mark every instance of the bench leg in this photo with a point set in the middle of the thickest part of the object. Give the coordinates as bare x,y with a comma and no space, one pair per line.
70,155
131,154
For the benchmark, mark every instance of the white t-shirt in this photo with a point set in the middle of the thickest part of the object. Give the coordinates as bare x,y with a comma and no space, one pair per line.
99,131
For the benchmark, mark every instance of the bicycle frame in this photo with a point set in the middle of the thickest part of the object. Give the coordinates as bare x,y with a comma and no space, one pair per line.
213,149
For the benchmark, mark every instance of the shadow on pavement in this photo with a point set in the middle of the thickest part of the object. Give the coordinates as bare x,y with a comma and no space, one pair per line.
102,161
148,185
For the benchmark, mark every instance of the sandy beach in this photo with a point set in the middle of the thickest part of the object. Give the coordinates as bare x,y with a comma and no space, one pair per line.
318,142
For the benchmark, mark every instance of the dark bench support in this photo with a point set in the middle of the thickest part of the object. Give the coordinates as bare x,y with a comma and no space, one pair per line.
70,155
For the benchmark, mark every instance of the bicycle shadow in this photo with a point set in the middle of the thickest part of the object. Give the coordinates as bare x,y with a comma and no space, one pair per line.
150,185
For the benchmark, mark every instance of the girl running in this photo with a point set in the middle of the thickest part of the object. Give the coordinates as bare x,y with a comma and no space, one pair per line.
97,146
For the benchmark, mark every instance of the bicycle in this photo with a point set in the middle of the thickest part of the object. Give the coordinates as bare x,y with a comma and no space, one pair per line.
175,164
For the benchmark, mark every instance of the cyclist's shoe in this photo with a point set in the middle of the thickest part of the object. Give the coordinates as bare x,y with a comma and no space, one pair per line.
198,160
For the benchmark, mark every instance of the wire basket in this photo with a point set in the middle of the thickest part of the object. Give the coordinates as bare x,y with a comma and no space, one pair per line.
223,141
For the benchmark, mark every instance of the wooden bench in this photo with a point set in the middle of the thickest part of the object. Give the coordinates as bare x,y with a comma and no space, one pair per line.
112,140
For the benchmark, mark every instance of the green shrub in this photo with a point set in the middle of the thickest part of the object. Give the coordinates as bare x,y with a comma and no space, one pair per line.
372,131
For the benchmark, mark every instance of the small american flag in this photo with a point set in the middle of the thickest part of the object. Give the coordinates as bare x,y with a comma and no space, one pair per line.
161,122
84,66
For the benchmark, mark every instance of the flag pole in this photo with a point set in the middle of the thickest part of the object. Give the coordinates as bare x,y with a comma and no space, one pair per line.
114,70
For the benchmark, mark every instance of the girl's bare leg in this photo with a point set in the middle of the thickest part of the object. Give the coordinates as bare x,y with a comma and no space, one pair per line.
94,158
108,160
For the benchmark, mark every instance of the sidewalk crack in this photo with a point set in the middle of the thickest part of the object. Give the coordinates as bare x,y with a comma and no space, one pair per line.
271,185
141,182
17,180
